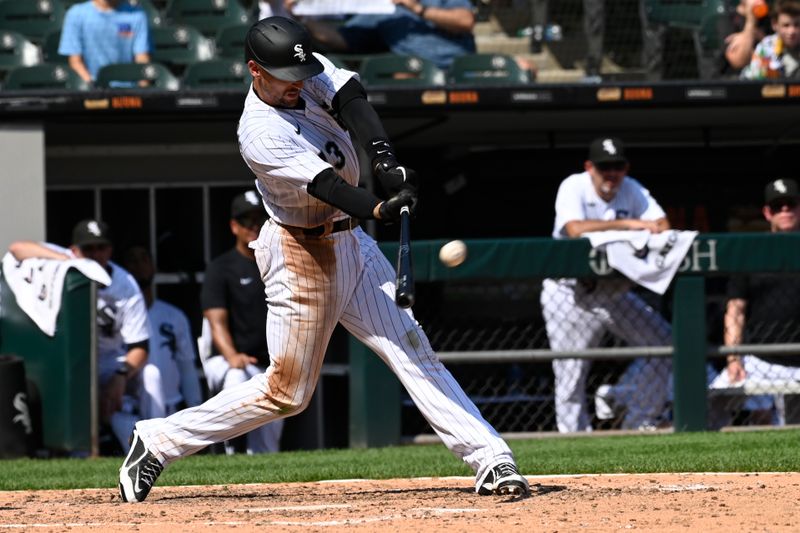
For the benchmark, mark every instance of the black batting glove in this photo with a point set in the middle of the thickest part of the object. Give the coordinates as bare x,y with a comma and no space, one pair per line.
385,167
390,209
395,178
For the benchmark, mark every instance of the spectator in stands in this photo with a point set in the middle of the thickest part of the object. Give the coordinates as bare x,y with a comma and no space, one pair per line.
122,328
438,30
169,380
778,55
744,32
235,307
97,33
762,308
578,312
747,30
594,26
269,8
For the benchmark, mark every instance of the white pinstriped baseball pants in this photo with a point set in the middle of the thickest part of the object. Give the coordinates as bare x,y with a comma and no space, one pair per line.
576,320
312,284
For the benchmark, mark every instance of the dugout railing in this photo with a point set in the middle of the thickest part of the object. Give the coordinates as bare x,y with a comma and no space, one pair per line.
376,398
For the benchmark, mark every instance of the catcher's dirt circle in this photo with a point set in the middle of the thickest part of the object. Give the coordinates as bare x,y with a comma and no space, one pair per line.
453,253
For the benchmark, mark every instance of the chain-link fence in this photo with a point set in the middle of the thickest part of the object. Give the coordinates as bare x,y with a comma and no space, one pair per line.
752,384
564,354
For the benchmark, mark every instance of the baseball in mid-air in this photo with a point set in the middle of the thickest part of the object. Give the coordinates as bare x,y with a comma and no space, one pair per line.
453,253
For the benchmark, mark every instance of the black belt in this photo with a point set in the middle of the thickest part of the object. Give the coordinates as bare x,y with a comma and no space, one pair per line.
325,229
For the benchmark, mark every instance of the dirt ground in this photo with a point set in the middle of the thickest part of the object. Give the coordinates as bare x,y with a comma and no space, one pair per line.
649,502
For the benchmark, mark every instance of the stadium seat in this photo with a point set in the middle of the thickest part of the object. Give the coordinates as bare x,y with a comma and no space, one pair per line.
50,48
230,41
17,51
337,61
180,45
44,76
128,75
699,16
217,74
400,71
487,69
33,19
155,17
208,16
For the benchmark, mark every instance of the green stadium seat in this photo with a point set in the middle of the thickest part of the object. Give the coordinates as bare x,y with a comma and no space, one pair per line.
43,77
400,71
230,41
487,69
155,17
17,51
32,18
349,61
217,74
50,48
337,61
128,75
699,16
180,45
208,16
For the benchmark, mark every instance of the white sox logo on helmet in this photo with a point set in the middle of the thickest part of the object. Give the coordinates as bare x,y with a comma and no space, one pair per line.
301,55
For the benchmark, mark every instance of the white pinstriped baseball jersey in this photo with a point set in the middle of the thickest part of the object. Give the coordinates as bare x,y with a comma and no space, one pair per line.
286,148
577,199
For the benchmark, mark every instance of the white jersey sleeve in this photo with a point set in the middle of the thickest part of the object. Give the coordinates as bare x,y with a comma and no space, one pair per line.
325,85
132,311
570,202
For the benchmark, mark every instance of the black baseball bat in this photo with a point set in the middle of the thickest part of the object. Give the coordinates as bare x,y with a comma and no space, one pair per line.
404,293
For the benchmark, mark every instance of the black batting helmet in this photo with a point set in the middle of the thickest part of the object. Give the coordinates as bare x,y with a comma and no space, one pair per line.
282,47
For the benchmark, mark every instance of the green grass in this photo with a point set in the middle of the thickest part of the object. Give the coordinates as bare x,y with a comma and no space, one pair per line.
761,451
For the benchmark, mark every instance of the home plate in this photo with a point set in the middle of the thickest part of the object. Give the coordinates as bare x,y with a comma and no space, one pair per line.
684,488
294,508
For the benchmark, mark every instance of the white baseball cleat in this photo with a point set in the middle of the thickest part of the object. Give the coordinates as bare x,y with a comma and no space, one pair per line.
502,479
139,472
604,407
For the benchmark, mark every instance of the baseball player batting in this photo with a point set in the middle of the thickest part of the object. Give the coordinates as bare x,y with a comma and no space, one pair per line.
320,268
579,312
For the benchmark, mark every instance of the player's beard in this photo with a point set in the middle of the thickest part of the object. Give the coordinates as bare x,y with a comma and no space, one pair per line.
288,100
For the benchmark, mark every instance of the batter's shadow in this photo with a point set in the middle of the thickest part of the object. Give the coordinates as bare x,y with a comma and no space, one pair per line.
537,489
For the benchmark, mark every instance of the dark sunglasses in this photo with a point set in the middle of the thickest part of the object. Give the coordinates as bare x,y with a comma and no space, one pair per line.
252,222
776,206
605,167
89,248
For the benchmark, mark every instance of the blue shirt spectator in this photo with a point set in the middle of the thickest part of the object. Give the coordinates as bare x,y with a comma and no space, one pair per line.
100,32
438,30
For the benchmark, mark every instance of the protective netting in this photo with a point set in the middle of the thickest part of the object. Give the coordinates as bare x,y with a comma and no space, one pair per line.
572,40
496,339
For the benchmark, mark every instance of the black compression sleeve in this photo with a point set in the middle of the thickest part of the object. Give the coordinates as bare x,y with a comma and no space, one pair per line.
357,114
332,189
